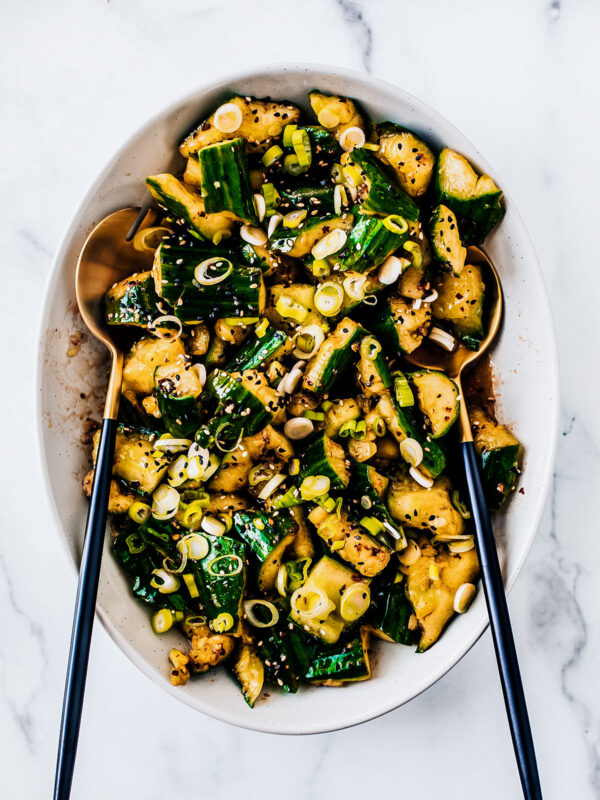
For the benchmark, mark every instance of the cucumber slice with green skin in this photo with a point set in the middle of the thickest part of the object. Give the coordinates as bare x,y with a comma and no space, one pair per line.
438,399
311,198
137,465
257,351
402,423
445,240
428,509
268,536
220,578
499,452
325,147
298,242
177,387
343,662
240,409
367,494
132,301
133,415
373,373
333,357
401,327
239,294
285,652
460,302
322,456
378,194
332,578
140,565
390,610
225,180
249,672
409,156
475,199
369,244
186,205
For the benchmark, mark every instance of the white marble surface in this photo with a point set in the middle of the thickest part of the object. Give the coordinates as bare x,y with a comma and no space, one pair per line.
520,79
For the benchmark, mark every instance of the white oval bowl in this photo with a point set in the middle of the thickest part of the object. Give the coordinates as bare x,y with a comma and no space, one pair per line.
525,362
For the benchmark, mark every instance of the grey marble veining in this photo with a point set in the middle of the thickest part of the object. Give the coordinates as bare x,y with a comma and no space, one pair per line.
520,79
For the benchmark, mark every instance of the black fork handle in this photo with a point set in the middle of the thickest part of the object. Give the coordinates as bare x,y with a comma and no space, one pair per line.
504,643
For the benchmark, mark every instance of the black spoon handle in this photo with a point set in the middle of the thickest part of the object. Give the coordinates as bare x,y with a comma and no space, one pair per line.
85,607
504,643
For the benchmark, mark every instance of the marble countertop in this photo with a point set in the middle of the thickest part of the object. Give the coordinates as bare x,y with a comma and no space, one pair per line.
520,80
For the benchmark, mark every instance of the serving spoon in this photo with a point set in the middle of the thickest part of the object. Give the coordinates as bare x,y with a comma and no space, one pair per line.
454,364
106,257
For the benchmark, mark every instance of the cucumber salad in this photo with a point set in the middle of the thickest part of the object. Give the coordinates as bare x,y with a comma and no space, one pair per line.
286,485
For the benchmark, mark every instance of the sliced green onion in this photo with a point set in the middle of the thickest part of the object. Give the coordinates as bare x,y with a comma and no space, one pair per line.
271,485
235,562
329,298
411,451
166,326
260,206
164,581
316,416
337,174
320,268
288,499
212,271
191,585
370,348
271,196
259,473
301,145
347,428
459,505
213,465
171,445
353,176
311,603
292,166
391,269
338,545
222,623
355,601
287,307
272,154
340,199
329,244
410,555
416,253
464,597
177,472
351,138
295,218
213,526
254,236
328,118
165,502
194,545
162,620
395,223
139,512
462,545
360,431
261,328
373,525
402,390
420,478
314,486
294,467
147,240
135,544
328,503
378,426
228,118
221,441
281,582
298,428
326,405
288,133
354,286
249,610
